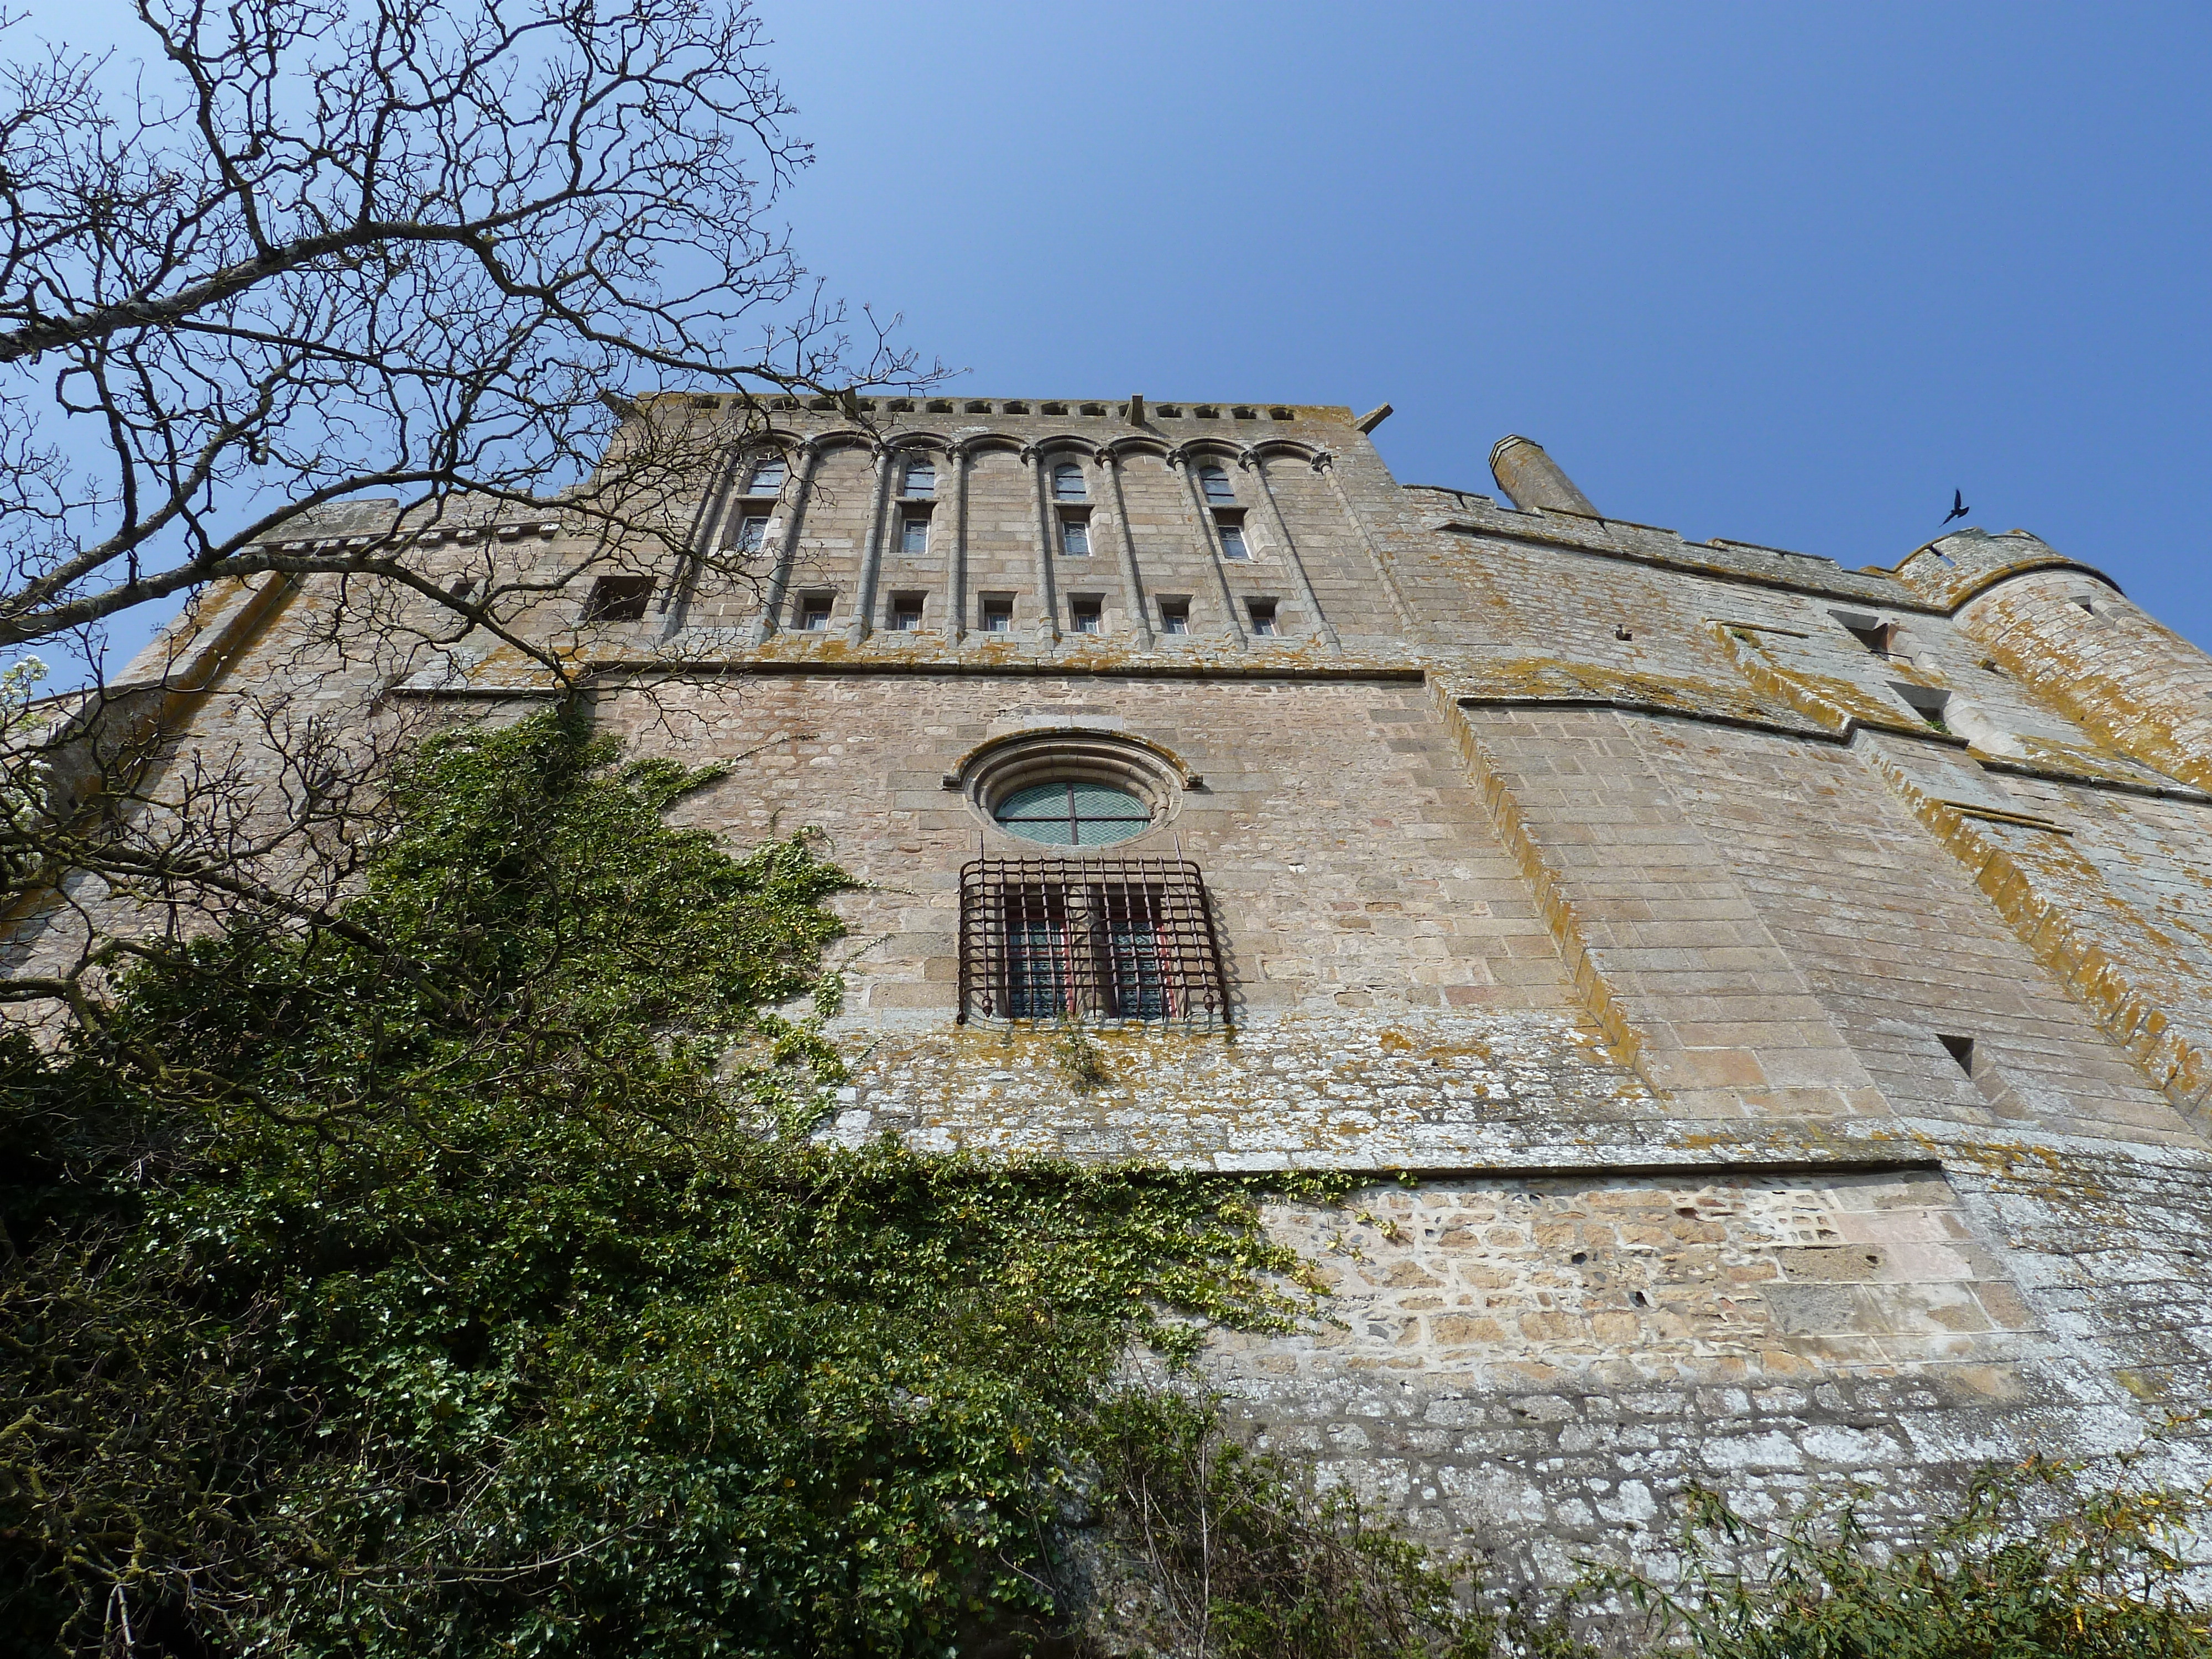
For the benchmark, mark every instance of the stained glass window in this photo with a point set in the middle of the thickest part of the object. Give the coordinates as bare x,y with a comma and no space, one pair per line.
1073,814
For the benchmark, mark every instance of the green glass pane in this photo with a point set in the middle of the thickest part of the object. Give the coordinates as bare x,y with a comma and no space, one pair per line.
1104,832
1101,800
1039,800
1053,832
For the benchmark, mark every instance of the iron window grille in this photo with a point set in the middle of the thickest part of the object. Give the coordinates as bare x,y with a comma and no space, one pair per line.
1128,939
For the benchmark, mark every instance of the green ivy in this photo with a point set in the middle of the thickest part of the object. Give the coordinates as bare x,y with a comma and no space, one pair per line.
460,1279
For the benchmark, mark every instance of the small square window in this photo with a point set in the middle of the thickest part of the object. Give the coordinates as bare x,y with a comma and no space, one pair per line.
905,614
998,616
1086,616
814,613
914,533
1232,542
618,598
1174,616
1262,613
1075,534
752,531
1872,632
1926,701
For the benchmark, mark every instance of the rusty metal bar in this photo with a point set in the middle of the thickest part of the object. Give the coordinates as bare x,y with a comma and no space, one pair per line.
1094,938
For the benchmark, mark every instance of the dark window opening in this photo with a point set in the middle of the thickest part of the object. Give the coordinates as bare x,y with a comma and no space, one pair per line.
905,615
1263,612
813,611
618,598
1926,701
752,531
1877,635
768,478
1104,939
921,478
1174,616
998,616
1074,532
1960,1049
1086,616
914,533
1232,540
1068,484
1214,482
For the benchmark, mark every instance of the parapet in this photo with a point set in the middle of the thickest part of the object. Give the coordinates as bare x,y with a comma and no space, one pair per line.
1952,569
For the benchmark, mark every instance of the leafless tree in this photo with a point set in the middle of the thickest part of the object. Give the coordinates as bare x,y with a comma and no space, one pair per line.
382,264
315,252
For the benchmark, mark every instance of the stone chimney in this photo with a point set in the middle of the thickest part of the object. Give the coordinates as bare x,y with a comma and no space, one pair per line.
1531,479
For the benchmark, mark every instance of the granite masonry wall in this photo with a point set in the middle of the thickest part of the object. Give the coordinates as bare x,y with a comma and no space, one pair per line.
1768,1006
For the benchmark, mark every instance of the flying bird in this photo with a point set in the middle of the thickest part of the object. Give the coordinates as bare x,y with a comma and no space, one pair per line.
1959,507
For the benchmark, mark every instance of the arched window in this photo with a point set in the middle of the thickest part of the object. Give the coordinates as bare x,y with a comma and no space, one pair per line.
767,477
1214,482
921,478
1073,814
1068,484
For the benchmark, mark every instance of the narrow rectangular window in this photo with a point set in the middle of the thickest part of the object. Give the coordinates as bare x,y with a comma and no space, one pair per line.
921,478
1214,482
752,531
998,616
617,598
1232,542
1086,616
1263,612
905,612
914,533
1174,616
1074,535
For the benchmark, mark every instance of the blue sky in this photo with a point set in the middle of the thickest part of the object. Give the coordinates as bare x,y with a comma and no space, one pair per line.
1787,274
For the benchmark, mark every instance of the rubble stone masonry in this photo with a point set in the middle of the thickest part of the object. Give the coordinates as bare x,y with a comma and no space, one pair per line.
1768,1006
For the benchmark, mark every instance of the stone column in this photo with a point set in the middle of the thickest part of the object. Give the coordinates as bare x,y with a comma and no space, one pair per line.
707,523
1180,462
1133,588
956,532
1047,588
872,553
786,544
1281,534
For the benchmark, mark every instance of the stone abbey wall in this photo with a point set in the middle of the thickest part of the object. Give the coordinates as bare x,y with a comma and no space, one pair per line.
1772,1002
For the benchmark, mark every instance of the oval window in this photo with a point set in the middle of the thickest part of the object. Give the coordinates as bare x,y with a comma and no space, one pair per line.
1073,814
